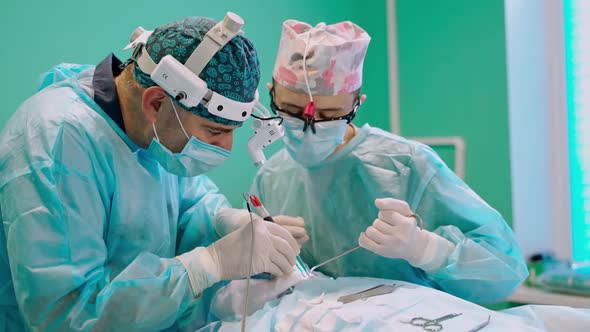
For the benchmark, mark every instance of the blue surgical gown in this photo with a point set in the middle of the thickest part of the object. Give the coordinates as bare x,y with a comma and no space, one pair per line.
91,224
336,199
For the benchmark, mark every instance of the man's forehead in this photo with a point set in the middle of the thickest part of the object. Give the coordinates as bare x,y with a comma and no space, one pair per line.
286,96
214,125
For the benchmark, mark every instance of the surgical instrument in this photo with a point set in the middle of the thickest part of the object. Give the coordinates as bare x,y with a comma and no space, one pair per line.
245,308
263,275
255,200
482,325
431,325
334,258
367,293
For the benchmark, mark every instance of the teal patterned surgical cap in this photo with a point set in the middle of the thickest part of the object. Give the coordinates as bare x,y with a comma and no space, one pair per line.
233,72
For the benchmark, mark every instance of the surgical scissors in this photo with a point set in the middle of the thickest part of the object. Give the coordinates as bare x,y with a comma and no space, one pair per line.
431,325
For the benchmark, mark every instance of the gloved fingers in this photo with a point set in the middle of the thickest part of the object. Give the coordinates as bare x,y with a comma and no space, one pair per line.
228,220
384,227
368,244
228,212
393,204
284,249
241,216
296,231
282,261
273,269
394,218
375,235
289,221
284,234
302,240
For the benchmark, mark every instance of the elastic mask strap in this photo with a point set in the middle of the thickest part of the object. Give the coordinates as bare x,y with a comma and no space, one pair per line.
178,118
305,65
309,110
155,132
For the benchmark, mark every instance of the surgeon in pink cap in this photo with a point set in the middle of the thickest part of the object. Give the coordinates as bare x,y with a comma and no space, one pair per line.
413,218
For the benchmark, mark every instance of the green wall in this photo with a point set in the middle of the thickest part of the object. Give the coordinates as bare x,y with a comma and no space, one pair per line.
452,73
451,65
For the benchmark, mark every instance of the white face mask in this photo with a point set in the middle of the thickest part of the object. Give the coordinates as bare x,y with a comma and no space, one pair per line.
197,157
310,149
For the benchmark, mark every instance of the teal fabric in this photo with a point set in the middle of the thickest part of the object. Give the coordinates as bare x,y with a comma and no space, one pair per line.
568,281
233,72
91,224
336,199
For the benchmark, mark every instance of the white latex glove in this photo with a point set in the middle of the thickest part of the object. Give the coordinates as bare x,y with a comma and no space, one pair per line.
229,257
295,226
229,300
394,234
228,220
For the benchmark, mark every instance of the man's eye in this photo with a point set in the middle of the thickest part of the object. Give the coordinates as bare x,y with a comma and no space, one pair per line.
324,115
214,132
294,110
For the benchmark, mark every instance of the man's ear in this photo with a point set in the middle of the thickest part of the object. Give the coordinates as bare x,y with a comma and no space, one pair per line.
268,86
362,98
151,102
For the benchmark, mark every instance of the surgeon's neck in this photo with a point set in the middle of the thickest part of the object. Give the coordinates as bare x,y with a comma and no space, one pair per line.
131,110
348,136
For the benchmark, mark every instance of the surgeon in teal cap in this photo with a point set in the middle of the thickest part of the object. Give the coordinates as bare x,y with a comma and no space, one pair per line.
108,221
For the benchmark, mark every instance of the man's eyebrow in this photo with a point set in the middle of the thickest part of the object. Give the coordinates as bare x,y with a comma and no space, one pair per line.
287,104
330,109
290,105
214,128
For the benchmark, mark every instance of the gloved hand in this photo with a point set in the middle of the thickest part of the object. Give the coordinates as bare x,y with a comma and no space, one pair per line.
229,300
228,220
295,226
229,257
394,234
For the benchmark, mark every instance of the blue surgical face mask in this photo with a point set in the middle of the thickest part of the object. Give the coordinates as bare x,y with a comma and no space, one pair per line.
310,149
197,157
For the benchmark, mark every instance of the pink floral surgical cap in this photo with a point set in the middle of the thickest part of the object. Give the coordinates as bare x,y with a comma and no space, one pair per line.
334,62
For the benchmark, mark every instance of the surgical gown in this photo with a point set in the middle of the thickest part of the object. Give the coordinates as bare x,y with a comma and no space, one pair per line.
336,199
91,224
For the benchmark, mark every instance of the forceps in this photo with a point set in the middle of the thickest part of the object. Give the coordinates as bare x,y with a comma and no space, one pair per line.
334,258
419,223
431,325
